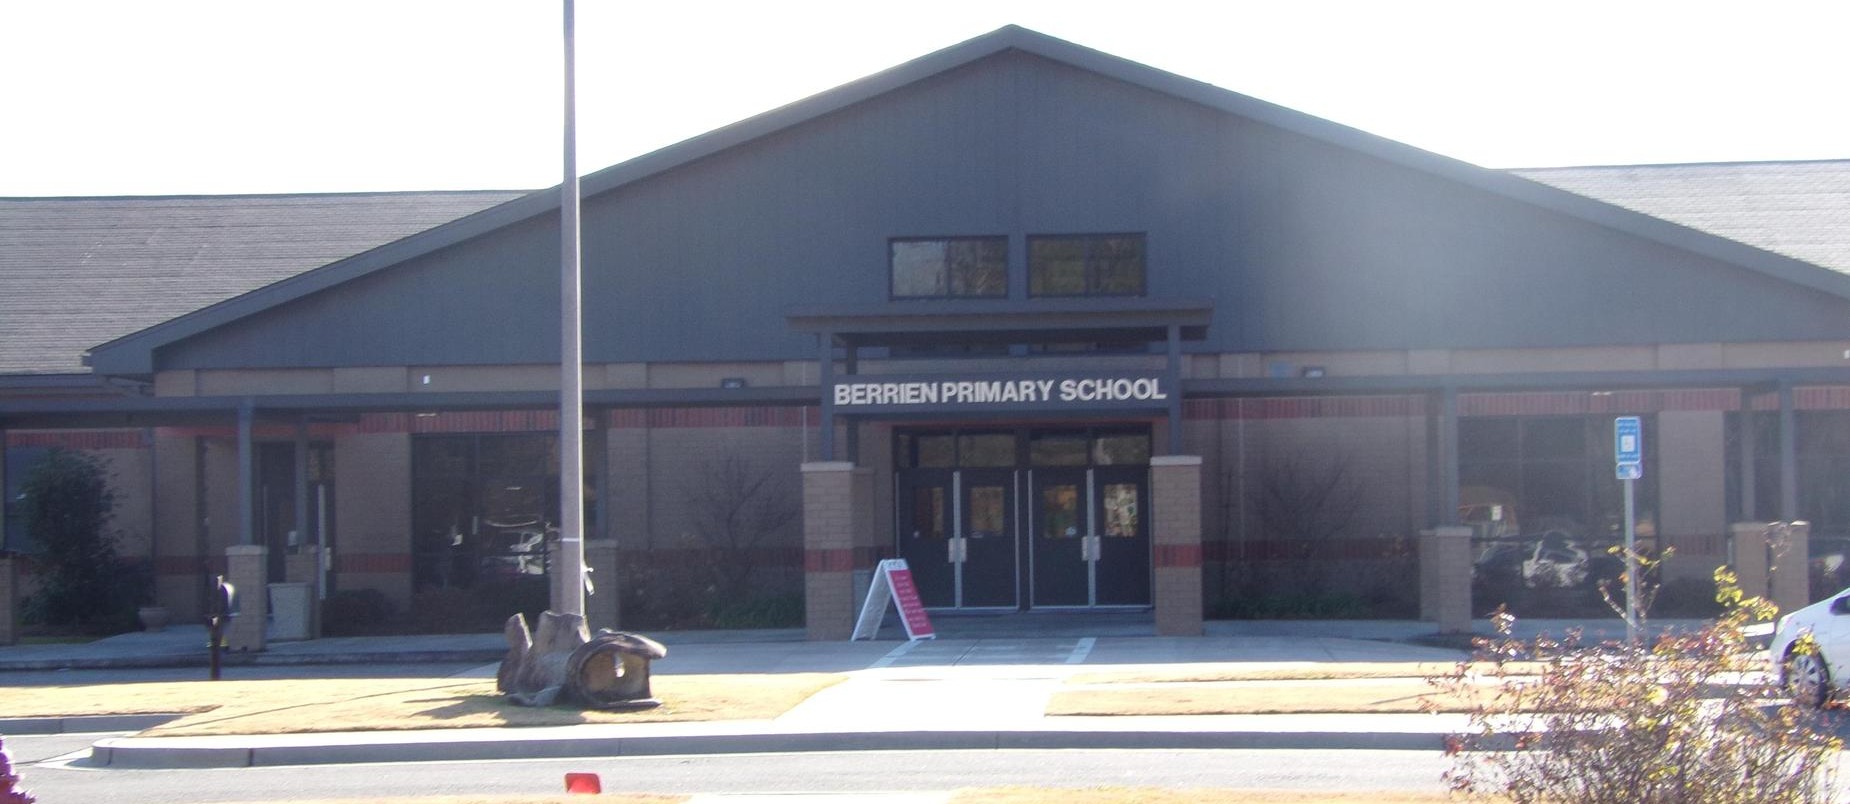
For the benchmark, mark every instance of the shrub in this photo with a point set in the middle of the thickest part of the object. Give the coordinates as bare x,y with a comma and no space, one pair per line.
66,506
356,612
782,611
1671,721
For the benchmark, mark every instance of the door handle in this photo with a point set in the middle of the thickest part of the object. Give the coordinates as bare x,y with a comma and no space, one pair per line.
958,549
1090,547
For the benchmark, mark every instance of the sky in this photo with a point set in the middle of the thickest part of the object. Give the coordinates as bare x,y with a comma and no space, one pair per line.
139,97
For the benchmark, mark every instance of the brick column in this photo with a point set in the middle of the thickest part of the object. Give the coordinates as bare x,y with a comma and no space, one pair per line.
1791,565
1747,557
1175,516
9,600
246,569
1445,578
601,607
829,520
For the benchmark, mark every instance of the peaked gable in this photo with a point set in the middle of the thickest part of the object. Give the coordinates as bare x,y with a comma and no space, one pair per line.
1034,135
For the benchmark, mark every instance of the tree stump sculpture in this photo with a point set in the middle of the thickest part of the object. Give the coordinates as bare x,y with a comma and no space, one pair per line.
561,662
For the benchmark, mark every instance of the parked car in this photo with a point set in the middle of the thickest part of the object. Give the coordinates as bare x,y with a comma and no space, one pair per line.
1814,677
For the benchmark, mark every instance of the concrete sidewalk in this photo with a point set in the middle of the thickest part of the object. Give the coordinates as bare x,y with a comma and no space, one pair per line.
927,695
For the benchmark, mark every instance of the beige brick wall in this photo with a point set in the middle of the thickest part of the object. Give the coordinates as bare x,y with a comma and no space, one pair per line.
1691,488
372,483
1445,578
177,527
1175,511
829,519
245,569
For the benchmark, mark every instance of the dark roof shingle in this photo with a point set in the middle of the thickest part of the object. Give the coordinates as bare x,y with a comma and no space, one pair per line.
1798,209
76,272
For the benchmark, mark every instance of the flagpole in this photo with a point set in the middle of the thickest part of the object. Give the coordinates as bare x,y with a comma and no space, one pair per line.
569,586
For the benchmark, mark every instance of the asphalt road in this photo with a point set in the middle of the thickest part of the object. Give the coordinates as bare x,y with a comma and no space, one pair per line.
914,771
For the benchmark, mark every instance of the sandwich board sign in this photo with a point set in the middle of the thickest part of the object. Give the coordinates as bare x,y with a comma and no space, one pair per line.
893,581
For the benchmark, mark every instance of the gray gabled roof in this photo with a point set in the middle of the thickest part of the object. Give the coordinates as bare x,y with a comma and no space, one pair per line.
75,272
134,354
1799,209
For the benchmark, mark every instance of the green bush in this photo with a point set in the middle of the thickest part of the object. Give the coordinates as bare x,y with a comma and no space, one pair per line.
783,611
66,504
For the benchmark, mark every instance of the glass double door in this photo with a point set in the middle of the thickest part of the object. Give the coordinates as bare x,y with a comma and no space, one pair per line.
1026,538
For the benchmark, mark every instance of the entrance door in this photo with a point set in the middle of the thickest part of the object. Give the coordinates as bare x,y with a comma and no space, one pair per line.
1122,511
925,498
1061,522
957,533
986,521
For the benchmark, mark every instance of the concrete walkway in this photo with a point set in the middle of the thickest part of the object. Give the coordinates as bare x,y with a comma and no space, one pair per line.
977,686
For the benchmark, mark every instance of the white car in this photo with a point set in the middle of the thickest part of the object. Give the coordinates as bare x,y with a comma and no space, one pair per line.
1813,677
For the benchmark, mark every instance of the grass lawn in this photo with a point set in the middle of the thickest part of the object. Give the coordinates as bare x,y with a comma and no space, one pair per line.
322,705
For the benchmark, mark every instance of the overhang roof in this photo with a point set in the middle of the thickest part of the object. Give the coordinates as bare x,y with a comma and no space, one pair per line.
1094,320
134,354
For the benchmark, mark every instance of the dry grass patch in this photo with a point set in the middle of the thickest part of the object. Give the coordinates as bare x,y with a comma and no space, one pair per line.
322,705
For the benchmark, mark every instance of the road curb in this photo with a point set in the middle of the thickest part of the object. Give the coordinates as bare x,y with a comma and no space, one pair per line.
265,659
85,724
140,754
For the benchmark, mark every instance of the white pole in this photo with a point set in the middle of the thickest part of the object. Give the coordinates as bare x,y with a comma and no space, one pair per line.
569,587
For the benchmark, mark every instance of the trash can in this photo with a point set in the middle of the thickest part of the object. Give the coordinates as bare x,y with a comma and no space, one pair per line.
290,615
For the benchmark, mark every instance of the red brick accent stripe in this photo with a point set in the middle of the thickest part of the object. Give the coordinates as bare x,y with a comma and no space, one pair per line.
656,418
489,421
80,439
1178,555
1303,407
1293,550
836,559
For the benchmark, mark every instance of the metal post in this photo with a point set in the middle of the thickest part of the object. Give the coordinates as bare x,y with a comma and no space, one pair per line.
1788,455
1749,461
1631,569
247,516
825,434
571,389
1173,363
1448,456
301,483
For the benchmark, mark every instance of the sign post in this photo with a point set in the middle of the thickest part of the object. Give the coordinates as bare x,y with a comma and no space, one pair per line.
1628,459
893,580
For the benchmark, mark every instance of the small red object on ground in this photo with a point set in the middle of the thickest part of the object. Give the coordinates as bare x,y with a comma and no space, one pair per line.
583,783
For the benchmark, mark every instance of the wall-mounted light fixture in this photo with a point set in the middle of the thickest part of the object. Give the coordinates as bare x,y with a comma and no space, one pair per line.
732,382
1311,372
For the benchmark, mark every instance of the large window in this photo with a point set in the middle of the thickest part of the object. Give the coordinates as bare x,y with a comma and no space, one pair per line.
948,268
20,462
483,507
1522,476
1086,265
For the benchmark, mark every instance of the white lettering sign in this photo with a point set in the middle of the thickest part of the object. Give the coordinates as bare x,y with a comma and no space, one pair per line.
994,392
